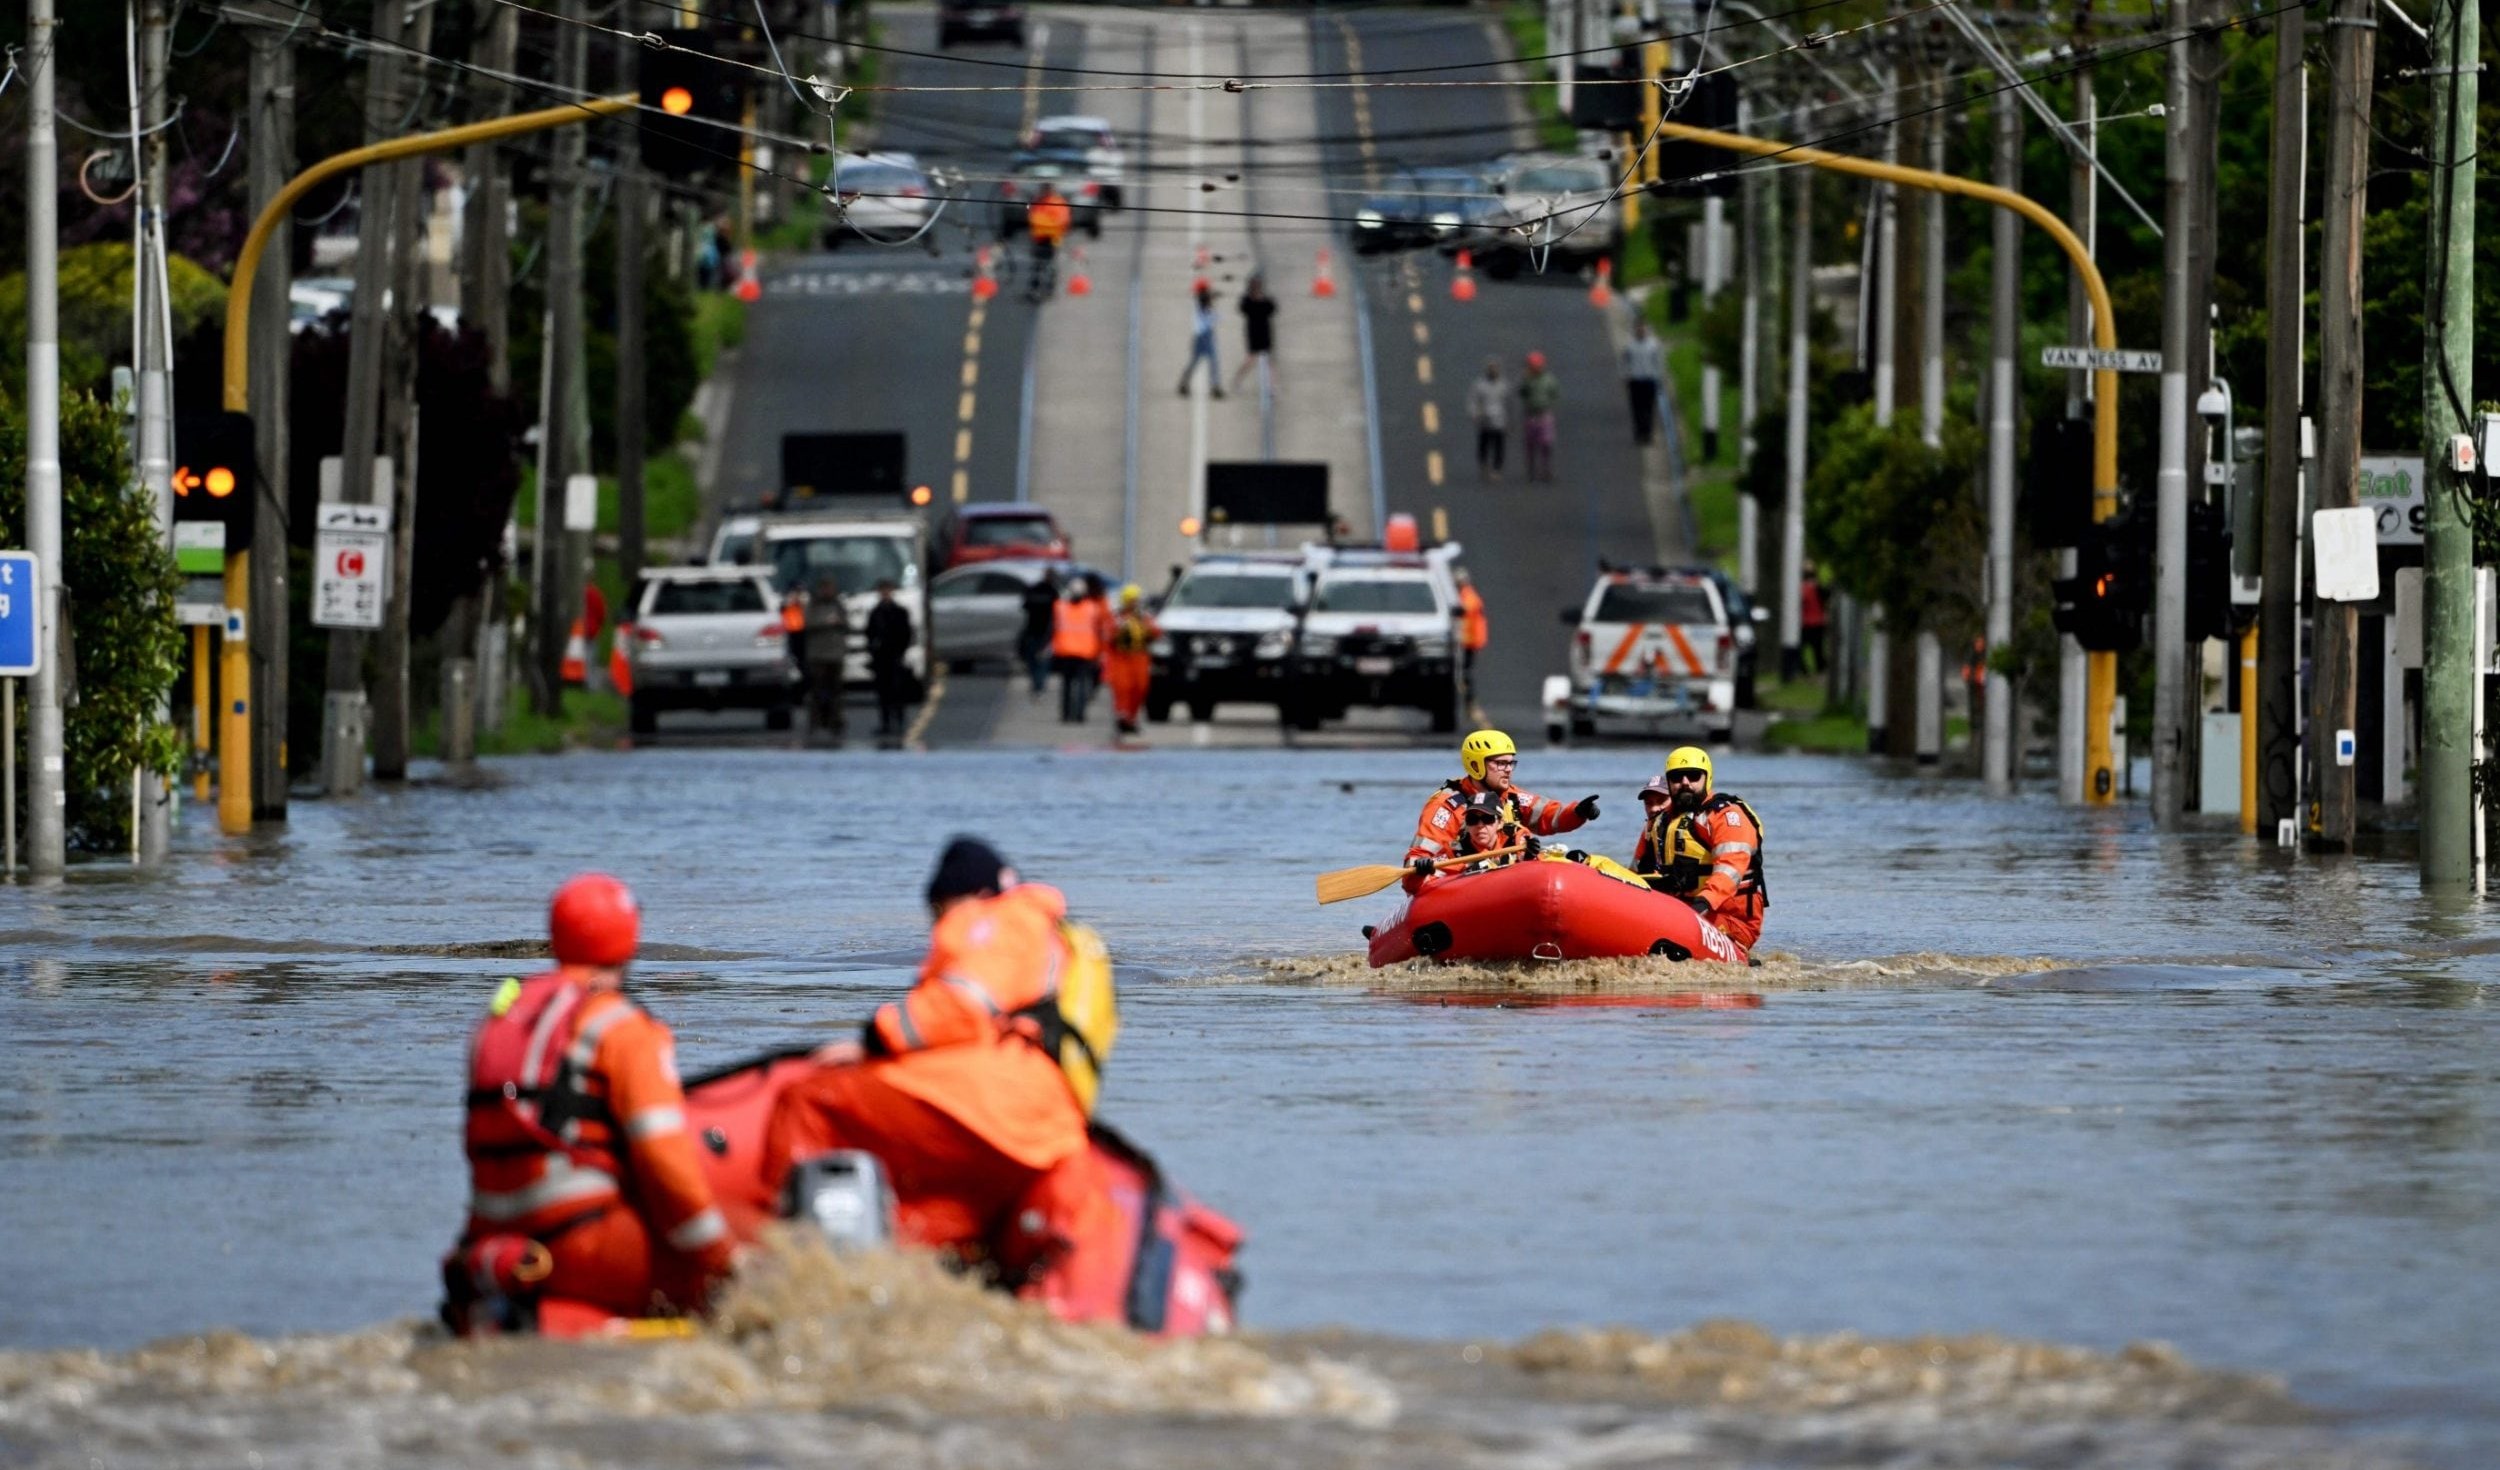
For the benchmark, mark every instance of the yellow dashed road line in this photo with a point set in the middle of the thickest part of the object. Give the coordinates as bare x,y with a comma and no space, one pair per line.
1432,466
972,361
963,486
963,407
1423,334
1423,368
1432,417
963,445
1415,302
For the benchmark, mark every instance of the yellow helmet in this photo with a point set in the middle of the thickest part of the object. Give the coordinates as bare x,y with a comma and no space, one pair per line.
1692,758
1132,593
1480,747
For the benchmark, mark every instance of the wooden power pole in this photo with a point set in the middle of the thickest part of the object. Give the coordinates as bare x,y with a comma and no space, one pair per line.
2352,46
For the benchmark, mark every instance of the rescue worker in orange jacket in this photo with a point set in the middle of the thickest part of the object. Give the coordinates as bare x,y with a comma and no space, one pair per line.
1046,222
1488,757
1474,629
1487,824
1078,632
583,1183
977,1125
1128,660
1705,847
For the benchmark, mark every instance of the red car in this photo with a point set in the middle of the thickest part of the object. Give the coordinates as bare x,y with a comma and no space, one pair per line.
998,532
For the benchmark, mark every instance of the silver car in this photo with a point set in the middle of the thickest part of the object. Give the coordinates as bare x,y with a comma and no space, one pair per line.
882,198
709,638
1570,206
976,611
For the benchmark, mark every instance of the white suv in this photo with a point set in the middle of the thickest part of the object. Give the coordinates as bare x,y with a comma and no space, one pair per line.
1381,629
1651,651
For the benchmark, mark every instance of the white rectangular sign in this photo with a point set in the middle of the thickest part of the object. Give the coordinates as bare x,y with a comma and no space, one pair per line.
2095,359
2391,486
333,470
2347,550
581,502
351,566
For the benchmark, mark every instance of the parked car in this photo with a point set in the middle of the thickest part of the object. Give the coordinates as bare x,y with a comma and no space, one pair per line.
1748,619
709,638
1652,652
999,531
736,541
1106,163
1549,201
1023,184
976,612
882,196
1381,631
978,20
1425,206
1227,633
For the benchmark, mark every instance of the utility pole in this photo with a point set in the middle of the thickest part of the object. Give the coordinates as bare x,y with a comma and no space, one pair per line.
47,789
630,207
1996,762
2450,682
2352,43
558,427
1793,510
1760,202
1887,280
343,700
406,326
476,673
2181,217
2278,610
2082,184
270,134
155,364
1927,661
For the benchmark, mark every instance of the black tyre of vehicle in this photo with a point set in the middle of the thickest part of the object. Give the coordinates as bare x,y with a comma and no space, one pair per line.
1306,716
1093,228
777,718
1445,713
646,720
1201,710
1583,728
1502,265
1159,708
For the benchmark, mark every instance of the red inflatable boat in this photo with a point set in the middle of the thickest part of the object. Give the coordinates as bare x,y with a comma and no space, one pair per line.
1173,1276
1545,910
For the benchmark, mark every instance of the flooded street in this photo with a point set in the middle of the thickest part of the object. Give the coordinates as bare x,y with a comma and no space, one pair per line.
2029,1078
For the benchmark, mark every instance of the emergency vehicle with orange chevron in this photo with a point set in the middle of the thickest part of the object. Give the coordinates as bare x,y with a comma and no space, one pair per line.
1652,653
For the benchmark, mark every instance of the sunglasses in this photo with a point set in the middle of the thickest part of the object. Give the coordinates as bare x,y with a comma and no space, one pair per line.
1481,819
1676,777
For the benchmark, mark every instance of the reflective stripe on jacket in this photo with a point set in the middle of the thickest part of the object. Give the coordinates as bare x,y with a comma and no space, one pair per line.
1437,830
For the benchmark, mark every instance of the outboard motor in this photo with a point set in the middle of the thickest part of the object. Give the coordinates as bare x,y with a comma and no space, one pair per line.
845,1195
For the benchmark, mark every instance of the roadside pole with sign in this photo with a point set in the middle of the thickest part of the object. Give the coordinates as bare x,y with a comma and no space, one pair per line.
21,653
351,566
200,605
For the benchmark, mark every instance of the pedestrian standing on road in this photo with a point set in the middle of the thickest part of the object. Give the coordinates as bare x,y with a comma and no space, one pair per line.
1202,346
1258,331
1033,644
1488,403
827,660
889,638
1539,391
1474,631
1644,369
1811,620
1076,647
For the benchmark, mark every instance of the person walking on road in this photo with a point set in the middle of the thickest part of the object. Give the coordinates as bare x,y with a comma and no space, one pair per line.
1539,392
1128,665
1202,346
1488,403
1474,631
1258,332
889,638
1644,369
1033,644
1076,648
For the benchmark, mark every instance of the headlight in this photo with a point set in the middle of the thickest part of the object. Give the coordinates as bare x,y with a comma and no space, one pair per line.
1273,645
1160,648
1367,219
1319,645
1433,645
1445,222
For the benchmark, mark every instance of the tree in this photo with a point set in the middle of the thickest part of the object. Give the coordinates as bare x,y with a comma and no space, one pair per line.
95,315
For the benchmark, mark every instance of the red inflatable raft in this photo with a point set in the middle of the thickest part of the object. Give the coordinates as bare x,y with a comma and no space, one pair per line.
1546,910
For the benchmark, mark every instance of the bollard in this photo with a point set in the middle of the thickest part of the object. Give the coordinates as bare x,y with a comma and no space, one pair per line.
343,749
459,711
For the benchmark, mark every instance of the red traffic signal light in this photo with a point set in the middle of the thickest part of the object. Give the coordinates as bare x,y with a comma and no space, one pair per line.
699,106
215,466
677,102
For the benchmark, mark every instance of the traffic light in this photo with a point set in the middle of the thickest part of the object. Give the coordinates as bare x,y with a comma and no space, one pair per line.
684,78
2103,604
2208,572
2057,487
216,470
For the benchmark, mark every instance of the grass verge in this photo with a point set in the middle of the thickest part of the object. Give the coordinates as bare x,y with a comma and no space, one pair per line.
1525,22
1834,733
589,719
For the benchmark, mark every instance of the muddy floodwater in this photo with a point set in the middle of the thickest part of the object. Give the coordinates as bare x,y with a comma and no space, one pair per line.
2041,1140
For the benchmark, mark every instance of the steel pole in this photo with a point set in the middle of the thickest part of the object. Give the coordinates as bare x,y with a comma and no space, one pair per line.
155,356
2179,229
2451,679
1793,508
1997,739
47,789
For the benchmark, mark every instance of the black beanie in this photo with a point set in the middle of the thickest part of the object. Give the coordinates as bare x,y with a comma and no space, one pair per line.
968,866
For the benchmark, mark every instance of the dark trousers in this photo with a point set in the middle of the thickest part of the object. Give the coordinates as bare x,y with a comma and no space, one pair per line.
1034,654
1489,448
1076,687
893,683
1644,395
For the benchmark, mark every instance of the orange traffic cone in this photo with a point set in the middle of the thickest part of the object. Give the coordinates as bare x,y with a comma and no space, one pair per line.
984,285
1079,283
1322,284
1463,285
575,669
749,288
1603,293
621,668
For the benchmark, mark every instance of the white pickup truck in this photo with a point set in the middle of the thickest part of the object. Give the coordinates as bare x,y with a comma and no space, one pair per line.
855,552
709,638
1652,652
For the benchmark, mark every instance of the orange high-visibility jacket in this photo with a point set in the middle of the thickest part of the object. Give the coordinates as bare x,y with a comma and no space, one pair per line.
1076,629
1436,831
1474,631
1047,218
620,1115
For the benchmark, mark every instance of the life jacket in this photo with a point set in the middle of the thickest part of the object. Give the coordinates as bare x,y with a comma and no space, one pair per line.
1077,1022
527,1102
1683,861
1132,633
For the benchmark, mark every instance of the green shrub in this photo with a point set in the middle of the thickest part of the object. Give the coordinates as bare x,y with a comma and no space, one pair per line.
95,315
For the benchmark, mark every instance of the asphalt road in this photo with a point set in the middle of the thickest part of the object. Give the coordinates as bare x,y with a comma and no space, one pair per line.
1532,548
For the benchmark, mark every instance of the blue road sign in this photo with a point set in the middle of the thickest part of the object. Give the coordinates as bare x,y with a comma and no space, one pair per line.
20,650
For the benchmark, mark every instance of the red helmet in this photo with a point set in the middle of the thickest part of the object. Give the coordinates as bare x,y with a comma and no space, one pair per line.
1536,359
594,920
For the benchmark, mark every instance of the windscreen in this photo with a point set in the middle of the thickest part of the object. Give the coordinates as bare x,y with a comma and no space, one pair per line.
1404,595
877,178
1232,589
740,596
1624,603
1561,179
1074,135
1007,531
857,562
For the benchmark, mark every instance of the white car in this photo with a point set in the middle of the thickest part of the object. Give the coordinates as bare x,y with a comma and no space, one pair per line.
1381,629
1106,163
1227,634
1652,652
709,638
882,198
855,552
1571,206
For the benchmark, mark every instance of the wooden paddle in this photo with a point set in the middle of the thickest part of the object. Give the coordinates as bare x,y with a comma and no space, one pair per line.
1347,883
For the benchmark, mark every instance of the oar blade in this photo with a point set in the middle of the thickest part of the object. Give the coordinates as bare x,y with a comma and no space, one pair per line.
1347,883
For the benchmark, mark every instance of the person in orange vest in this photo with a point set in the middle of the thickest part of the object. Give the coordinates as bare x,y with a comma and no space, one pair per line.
583,1185
1077,638
951,1087
1474,630
1046,221
1128,663
1488,758
1705,846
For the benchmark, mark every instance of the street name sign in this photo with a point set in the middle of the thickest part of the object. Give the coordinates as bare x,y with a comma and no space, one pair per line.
351,566
2101,359
21,652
